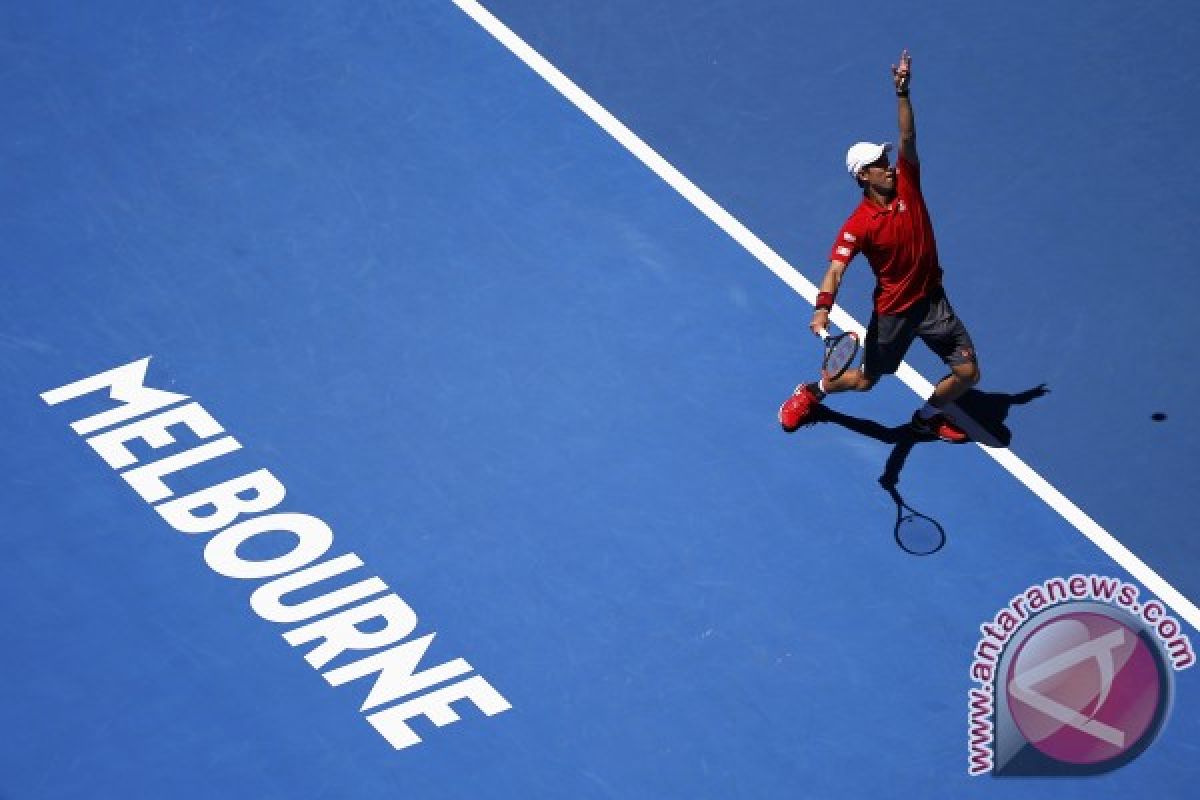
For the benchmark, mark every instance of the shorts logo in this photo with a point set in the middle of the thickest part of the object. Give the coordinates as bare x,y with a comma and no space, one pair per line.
1075,679
849,237
843,251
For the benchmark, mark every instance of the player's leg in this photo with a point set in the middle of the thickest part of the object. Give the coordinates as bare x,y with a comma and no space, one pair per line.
961,378
888,338
852,380
946,335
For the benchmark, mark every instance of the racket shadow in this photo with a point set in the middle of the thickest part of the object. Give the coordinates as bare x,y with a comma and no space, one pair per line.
915,533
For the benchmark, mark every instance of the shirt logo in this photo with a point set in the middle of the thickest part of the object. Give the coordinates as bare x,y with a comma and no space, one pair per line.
849,237
900,206
843,251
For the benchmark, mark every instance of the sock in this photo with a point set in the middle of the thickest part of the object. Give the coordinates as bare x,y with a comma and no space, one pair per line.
926,411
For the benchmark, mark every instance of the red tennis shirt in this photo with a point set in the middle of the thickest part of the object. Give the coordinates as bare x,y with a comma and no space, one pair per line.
898,243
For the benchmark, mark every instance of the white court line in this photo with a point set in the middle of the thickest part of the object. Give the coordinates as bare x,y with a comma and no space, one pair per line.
805,288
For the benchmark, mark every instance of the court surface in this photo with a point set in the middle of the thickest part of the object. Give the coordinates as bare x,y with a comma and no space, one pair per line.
533,389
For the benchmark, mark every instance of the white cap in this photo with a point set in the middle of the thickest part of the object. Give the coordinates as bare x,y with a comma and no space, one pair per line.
863,153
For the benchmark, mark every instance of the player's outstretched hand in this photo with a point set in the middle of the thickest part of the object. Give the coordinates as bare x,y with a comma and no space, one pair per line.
902,73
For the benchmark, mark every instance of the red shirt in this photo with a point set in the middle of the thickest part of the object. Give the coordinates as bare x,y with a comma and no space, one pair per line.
898,243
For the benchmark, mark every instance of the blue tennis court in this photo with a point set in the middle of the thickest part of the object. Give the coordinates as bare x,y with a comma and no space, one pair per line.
490,376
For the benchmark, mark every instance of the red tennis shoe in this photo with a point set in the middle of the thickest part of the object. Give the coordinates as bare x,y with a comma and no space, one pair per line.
798,408
939,425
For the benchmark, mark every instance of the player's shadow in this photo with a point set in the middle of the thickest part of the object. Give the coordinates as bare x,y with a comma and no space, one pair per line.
986,414
991,409
902,436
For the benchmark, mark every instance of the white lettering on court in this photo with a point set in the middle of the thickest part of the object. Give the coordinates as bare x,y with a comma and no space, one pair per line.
373,624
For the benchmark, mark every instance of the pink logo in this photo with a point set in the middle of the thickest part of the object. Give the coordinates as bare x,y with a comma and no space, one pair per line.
1083,688
1075,678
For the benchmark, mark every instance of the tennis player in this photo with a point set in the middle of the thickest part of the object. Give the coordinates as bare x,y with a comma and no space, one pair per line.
891,227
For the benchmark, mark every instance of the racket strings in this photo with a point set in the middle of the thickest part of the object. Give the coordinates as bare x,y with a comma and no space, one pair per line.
919,534
840,354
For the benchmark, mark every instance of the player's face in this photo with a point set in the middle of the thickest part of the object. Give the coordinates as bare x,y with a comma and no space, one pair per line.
880,175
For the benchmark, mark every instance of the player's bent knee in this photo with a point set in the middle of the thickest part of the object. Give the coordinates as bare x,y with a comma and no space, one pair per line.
968,373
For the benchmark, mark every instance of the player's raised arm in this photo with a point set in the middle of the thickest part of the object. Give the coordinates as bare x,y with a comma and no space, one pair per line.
901,75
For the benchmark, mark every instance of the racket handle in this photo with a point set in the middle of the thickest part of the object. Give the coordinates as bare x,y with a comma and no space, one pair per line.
823,333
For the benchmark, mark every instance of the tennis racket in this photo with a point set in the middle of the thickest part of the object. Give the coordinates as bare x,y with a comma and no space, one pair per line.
840,352
916,533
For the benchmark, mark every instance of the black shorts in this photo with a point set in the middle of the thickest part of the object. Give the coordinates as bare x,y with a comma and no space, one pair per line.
933,319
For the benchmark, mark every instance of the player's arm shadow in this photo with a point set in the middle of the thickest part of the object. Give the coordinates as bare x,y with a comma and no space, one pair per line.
983,418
